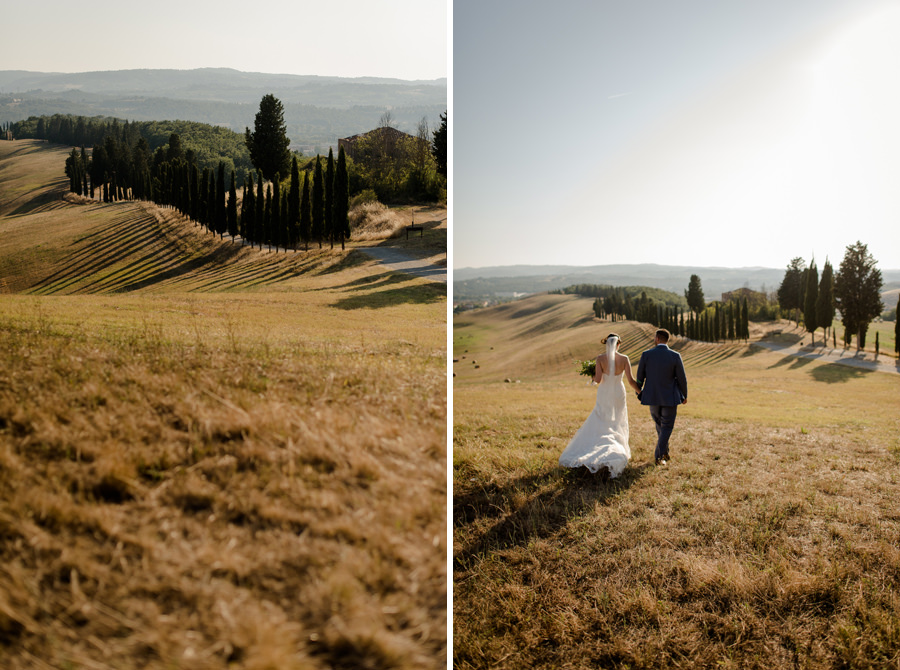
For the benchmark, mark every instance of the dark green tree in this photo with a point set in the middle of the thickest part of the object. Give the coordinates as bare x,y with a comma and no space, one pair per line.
732,333
293,215
73,171
328,212
745,319
221,222
790,293
305,213
341,211
195,193
810,296
285,223
268,143
248,210
897,328
318,203
232,210
275,225
825,299
204,197
259,230
694,295
174,151
267,219
439,146
857,291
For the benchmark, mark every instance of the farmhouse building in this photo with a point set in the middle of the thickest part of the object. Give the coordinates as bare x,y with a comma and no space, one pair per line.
390,140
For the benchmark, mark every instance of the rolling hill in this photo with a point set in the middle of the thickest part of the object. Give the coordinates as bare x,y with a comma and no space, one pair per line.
505,282
318,110
210,455
757,546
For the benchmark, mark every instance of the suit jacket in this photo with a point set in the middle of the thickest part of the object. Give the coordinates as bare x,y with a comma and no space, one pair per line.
661,377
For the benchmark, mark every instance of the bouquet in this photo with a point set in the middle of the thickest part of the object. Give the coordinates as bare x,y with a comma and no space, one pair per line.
588,368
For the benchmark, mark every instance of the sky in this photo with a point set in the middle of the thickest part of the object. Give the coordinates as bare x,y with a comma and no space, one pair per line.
404,39
696,132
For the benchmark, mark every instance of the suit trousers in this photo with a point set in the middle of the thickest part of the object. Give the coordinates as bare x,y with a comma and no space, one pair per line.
664,418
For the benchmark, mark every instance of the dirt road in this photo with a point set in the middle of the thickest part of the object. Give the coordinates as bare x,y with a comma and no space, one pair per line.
864,360
400,261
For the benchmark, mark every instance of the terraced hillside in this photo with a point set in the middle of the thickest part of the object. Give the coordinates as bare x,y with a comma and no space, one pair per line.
211,456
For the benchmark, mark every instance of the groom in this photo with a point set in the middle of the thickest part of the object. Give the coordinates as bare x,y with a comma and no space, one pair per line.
663,385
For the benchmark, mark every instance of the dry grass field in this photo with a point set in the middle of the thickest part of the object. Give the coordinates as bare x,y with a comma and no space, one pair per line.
771,540
211,456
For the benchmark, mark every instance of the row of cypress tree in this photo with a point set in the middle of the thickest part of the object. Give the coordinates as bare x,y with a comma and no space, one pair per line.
278,214
714,323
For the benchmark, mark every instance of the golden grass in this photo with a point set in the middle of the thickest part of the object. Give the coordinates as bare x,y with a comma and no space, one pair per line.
770,541
374,221
215,458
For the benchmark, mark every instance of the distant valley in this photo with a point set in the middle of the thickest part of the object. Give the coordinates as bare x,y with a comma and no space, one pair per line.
505,282
318,110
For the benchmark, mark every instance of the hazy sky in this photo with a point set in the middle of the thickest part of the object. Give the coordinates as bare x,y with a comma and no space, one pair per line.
406,39
696,132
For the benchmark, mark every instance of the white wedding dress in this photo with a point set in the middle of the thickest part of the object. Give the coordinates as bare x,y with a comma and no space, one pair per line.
602,440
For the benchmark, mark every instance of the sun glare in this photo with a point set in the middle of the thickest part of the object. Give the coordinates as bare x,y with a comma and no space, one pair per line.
804,141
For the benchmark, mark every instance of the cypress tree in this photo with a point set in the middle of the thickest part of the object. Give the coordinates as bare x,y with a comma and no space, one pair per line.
221,215
268,143
305,213
195,192
248,209
694,295
275,229
285,222
267,219
809,301
318,204
342,198
329,198
745,320
260,216
716,329
232,209
211,202
897,328
825,300
293,215
72,170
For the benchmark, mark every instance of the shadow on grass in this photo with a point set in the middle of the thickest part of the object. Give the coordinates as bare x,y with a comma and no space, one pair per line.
553,498
836,373
351,260
371,292
784,339
43,201
795,362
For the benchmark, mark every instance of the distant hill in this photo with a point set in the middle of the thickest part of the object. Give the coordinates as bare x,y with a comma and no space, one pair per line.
489,283
318,110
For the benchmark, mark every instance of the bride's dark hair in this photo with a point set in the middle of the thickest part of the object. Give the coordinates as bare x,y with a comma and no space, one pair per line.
603,341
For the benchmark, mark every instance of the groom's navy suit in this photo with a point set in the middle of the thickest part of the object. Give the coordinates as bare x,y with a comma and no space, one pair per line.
663,385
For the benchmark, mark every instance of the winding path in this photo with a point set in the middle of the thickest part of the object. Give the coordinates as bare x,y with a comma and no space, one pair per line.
400,261
864,360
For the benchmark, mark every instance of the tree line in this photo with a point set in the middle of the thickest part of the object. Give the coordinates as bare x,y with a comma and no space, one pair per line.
412,168
202,143
715,322
275,209
277,213
854,291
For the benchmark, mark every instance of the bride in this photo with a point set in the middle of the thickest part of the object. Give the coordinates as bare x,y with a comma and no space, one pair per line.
602,440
